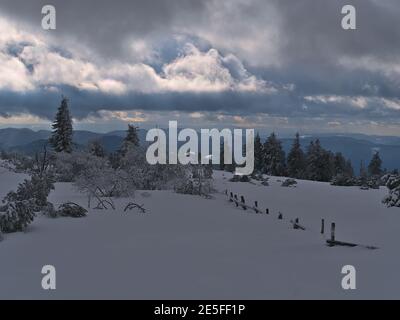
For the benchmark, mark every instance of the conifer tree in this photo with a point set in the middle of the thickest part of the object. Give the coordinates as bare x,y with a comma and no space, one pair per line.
274,156
319,163
258,154
296,159
339,164
131,140
61,139
97,149
363,174
374,167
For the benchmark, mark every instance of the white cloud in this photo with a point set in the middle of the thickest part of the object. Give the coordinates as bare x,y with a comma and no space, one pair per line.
193,71
355,101
22,119
13,74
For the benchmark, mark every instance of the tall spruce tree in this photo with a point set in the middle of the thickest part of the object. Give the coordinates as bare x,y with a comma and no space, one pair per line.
296,160
339,164
319,162
363,174
274,156
131,140
61,139
258,154
375,166
349,171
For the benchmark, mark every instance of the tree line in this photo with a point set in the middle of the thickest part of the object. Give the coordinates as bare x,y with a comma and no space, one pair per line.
314,163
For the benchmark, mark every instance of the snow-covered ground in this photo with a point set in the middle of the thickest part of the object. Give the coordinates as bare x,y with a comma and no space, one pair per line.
188,247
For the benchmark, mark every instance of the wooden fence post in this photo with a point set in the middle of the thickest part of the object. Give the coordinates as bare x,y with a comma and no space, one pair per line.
230,199
236,200
256,207
322,226
243,202
333,232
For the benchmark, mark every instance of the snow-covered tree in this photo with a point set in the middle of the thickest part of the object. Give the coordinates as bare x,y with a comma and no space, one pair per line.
16,215
131,139
258,154
363,177
296,159
96,148
274,156
61,139
195,180
20,207
374,167
393,198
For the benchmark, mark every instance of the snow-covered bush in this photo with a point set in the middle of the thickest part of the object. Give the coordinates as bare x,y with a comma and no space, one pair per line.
151,177
237,178
196,181
393,184
289,183
102,180
16,215
36,189
68,166
72,210
21,206
374,182
344,180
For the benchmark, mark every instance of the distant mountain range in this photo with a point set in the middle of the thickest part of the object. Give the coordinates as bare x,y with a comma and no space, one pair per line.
356,147
28,141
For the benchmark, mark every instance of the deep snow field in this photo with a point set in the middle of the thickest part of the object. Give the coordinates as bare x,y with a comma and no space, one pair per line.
187,247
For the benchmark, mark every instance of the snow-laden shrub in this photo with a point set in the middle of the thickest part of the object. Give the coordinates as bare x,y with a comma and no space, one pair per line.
21,206
194,187
289,183
16,215
70,165
151,177
36,189
374,182
72,210
393,198
344,180
196,181
237,178
369,183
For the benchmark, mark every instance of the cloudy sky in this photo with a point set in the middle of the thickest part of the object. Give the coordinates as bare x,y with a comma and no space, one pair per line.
281,65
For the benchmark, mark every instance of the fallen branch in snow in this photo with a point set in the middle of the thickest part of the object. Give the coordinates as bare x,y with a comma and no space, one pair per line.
102,200
132,205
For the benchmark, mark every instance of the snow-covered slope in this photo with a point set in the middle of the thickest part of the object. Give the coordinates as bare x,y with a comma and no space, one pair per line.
188,247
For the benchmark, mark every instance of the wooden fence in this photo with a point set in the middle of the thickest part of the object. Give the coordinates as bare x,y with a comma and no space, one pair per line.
331,242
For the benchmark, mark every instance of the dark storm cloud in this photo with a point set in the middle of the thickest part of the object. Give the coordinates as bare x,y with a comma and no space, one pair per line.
104,24
83,103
